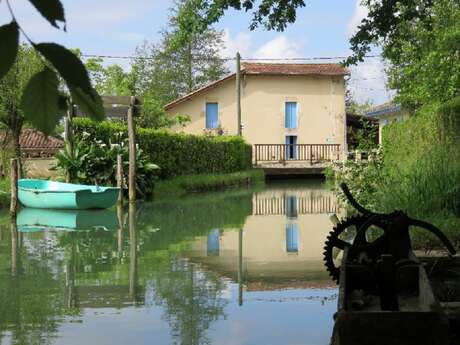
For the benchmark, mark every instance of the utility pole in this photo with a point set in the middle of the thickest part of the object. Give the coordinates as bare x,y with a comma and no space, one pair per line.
238,91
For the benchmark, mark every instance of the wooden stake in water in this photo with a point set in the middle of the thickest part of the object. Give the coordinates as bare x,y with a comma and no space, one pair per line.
14,187
120,178
132,150
132,252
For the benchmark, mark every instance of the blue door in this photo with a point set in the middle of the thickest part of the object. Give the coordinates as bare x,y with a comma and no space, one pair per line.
292,238
291,147
290,115
212,115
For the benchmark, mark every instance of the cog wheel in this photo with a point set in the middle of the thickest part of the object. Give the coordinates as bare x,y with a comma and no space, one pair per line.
333,241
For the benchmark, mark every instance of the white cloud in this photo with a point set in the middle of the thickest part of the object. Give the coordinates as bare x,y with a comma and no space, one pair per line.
359,14
278,48
240,43
368,82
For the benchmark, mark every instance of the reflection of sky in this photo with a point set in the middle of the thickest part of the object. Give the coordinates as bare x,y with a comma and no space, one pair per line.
288,317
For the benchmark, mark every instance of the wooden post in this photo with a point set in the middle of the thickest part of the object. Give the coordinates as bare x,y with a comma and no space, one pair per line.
120,178
14,187
68,133
238,92
132,150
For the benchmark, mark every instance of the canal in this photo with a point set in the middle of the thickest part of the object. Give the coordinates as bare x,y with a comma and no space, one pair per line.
236,267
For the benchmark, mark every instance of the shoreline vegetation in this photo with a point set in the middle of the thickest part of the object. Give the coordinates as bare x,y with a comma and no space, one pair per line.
181,185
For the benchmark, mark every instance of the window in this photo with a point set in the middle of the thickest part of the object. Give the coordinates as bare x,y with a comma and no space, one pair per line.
212,115
290,115
292,238
213,242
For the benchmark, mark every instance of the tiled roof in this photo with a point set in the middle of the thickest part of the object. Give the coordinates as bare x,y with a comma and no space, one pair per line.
32,139
252,68
329,69
384,109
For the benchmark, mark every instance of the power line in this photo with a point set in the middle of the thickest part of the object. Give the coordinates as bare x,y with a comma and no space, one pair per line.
127,57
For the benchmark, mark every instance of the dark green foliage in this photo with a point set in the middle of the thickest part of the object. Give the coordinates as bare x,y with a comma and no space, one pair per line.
271,14
9,43
41,98
52,10
176,154
68,65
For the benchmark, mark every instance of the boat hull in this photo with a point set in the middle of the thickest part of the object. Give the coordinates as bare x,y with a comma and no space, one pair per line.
57,195
33,219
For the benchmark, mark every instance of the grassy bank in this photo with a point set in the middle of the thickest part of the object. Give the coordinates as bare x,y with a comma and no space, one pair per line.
4,194
205,182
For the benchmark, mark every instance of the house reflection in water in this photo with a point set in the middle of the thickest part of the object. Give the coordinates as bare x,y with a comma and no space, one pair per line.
282,241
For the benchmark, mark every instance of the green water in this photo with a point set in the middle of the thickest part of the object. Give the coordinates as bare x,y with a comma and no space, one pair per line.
236,267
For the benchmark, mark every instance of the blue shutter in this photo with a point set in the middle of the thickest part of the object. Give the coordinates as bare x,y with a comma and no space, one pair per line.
213,242
212,115
290,115
292,238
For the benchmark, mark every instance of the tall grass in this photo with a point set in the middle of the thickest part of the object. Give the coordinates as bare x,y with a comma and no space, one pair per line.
205,182
418,172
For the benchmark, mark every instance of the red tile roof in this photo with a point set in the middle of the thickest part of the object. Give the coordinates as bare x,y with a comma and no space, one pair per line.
329,69
32,139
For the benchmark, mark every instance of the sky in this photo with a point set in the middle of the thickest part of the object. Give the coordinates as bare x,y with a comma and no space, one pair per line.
116,27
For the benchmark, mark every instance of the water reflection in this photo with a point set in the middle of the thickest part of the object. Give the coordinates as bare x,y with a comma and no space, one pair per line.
200,270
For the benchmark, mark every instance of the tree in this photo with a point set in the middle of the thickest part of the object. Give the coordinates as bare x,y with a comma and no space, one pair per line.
178,69
12,87
42,100
271,14
112,80
425,69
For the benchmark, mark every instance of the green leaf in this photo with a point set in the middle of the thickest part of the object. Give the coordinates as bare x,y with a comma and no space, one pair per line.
40,100
52,10
9,42
67,64
90,104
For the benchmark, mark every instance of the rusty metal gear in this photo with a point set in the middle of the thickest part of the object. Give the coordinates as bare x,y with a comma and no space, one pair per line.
333,241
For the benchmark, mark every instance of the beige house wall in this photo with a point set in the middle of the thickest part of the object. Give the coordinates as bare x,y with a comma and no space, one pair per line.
320,106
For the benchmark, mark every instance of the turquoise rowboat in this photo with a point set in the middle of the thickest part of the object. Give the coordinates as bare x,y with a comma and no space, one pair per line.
33,219
58,195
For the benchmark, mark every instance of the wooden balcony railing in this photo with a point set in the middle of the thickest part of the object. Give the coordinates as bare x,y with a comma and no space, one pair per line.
312,153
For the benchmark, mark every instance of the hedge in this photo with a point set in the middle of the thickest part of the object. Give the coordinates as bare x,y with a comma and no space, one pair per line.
176,153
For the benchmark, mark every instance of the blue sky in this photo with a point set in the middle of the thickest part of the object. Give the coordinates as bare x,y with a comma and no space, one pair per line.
116,27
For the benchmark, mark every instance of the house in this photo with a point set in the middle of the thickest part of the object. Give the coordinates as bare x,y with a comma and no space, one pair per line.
37,151
287,104
387,113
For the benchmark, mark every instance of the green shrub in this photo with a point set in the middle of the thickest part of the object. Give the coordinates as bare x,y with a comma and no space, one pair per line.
91,161
176,154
